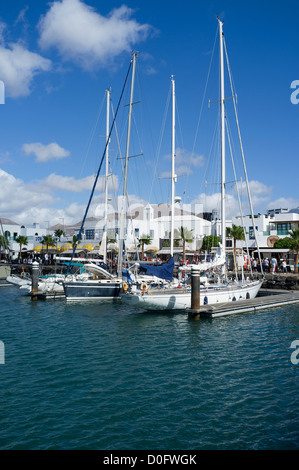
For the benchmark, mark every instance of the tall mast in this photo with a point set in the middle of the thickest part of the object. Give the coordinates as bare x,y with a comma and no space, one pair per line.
223,214
124,198
173,175
104,239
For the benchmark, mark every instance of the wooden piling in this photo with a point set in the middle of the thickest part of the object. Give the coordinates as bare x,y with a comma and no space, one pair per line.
195,292
35,276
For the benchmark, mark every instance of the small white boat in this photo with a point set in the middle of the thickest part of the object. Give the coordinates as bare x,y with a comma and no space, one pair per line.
19,280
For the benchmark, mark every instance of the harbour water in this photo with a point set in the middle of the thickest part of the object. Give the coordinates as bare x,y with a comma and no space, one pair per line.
100,376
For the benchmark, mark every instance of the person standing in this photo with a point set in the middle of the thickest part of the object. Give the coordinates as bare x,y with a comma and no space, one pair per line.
273,264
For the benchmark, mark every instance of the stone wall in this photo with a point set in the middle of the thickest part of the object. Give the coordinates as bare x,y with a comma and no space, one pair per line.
281,281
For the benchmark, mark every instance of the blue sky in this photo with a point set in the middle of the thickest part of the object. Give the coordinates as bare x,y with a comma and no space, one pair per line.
57,59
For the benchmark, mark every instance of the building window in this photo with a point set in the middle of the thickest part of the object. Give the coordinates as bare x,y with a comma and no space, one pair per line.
283,229
89,234
251,232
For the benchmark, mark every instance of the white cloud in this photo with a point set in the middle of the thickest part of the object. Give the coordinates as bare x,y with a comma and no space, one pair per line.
45,153
69,183
18,68
260,195
184,162
16,198
283,203
86,37
36,202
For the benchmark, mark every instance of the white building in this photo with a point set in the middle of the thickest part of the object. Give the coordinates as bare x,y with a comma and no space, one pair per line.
269,228
152,220
155,221
12,230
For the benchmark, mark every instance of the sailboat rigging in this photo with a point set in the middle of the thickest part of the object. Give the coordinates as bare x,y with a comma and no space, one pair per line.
98,284
172,298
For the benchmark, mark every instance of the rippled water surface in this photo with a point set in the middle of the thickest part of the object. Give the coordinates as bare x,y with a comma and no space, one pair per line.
100,376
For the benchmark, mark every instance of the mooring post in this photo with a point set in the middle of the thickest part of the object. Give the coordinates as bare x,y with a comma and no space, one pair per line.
35,276
195,291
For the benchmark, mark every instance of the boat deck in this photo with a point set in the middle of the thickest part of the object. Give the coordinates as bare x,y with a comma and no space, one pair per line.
265,299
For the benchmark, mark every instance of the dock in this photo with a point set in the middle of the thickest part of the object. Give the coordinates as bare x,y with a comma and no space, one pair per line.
51,295
266,299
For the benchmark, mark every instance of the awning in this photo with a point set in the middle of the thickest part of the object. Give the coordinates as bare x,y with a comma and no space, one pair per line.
273,250
166,251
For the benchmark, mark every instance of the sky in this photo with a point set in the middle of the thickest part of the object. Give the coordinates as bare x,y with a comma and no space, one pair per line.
57,59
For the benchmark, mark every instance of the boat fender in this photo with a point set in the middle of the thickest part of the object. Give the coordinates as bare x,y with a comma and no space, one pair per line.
125,286
143,287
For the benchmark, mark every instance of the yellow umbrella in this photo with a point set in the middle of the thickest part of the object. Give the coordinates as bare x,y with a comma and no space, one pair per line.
50,246
152,249
65,246
37,248
88,247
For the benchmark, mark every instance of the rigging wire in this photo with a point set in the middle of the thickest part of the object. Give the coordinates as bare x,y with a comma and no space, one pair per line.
91,135
201,109
160,143
243,159
238,192
100,167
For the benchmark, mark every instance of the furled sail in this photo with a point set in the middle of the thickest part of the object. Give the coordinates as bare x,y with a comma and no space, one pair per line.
164,271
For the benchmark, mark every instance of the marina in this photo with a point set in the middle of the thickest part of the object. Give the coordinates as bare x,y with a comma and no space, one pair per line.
95,376
266,298
149,284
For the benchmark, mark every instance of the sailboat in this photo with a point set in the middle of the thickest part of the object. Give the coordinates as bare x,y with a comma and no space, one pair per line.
97,283
220,290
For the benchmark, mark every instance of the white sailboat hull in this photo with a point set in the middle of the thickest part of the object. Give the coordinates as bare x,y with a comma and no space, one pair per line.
178,300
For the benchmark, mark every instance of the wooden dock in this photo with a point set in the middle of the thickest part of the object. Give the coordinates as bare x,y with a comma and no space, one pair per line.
266,299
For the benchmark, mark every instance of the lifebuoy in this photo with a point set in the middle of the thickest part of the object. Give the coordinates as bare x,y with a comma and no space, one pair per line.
143,287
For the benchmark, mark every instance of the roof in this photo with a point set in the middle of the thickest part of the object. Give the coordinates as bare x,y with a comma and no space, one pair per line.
8,221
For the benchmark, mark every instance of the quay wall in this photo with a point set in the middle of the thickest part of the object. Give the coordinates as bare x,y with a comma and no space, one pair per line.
285,281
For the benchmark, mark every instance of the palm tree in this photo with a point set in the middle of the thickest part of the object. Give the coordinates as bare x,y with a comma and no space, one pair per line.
237,233
294,235
48,241
144,240
3,242
185,235
58,233
75,240
22,240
